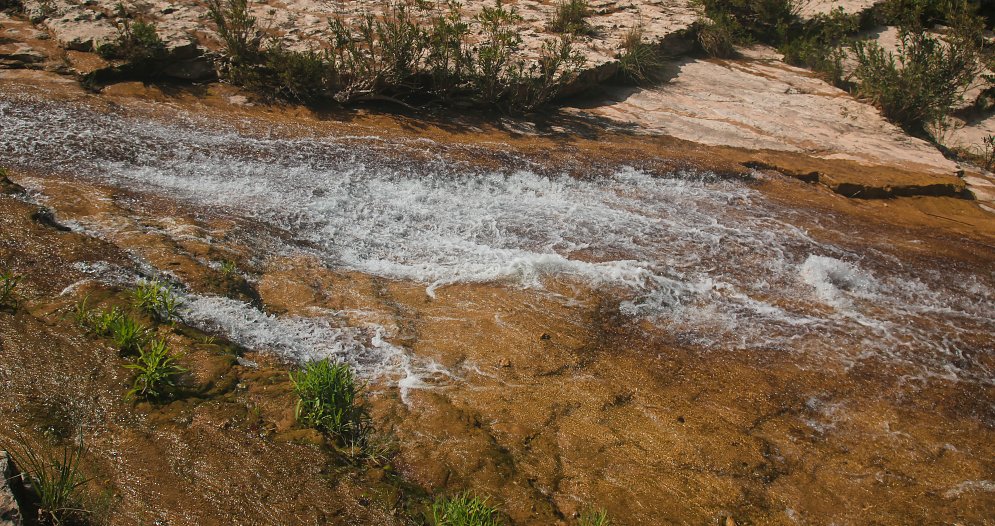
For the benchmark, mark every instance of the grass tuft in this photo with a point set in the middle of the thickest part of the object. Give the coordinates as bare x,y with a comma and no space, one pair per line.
156,371
594,518
329,398
571,18
464,510
57,482
640,61
127,334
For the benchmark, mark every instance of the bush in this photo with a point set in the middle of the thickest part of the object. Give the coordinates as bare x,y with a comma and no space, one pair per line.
392,57
8,282
138,44
329,399
640,62
751,20
464,510
450,58
571,18
237,29
819,46
918,85
57,483
156,371
157,300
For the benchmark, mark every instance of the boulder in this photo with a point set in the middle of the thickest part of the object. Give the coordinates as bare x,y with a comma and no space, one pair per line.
10,512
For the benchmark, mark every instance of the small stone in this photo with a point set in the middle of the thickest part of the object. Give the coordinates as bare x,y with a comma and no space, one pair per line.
730,521
545,336
505,362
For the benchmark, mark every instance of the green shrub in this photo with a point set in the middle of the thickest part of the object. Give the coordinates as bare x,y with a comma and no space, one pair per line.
594,518
13,5
329,399
495,70
138,44
379,56
157,300
450,58
56,482
752,20
640,62
819,46
156,371
464,510
917,86
393,56
8,282
237,29
571,18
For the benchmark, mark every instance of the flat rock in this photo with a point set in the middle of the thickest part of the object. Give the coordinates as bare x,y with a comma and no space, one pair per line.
19,53
760,104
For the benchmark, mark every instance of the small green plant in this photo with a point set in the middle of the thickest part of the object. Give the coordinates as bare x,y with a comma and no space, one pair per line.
127,334
56,482
594,518
571,18
157,300
8,282
640,62
464,510
156,371
229,269
988,152
329,399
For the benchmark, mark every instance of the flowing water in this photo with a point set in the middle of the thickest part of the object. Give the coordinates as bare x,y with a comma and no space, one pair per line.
707,259
704,347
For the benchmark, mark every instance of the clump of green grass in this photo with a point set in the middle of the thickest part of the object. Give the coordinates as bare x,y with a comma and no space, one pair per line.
157,300
128,334
640,62
124,331
329,399
56,481
571,18
8,282
156,371
464,510
594,518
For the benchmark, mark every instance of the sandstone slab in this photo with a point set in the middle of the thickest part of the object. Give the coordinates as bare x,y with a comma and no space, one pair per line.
763,104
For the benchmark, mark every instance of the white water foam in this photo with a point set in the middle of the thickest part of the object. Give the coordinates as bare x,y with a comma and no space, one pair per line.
709,260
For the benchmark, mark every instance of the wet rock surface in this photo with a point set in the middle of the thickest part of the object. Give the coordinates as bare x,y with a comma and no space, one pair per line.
761,349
